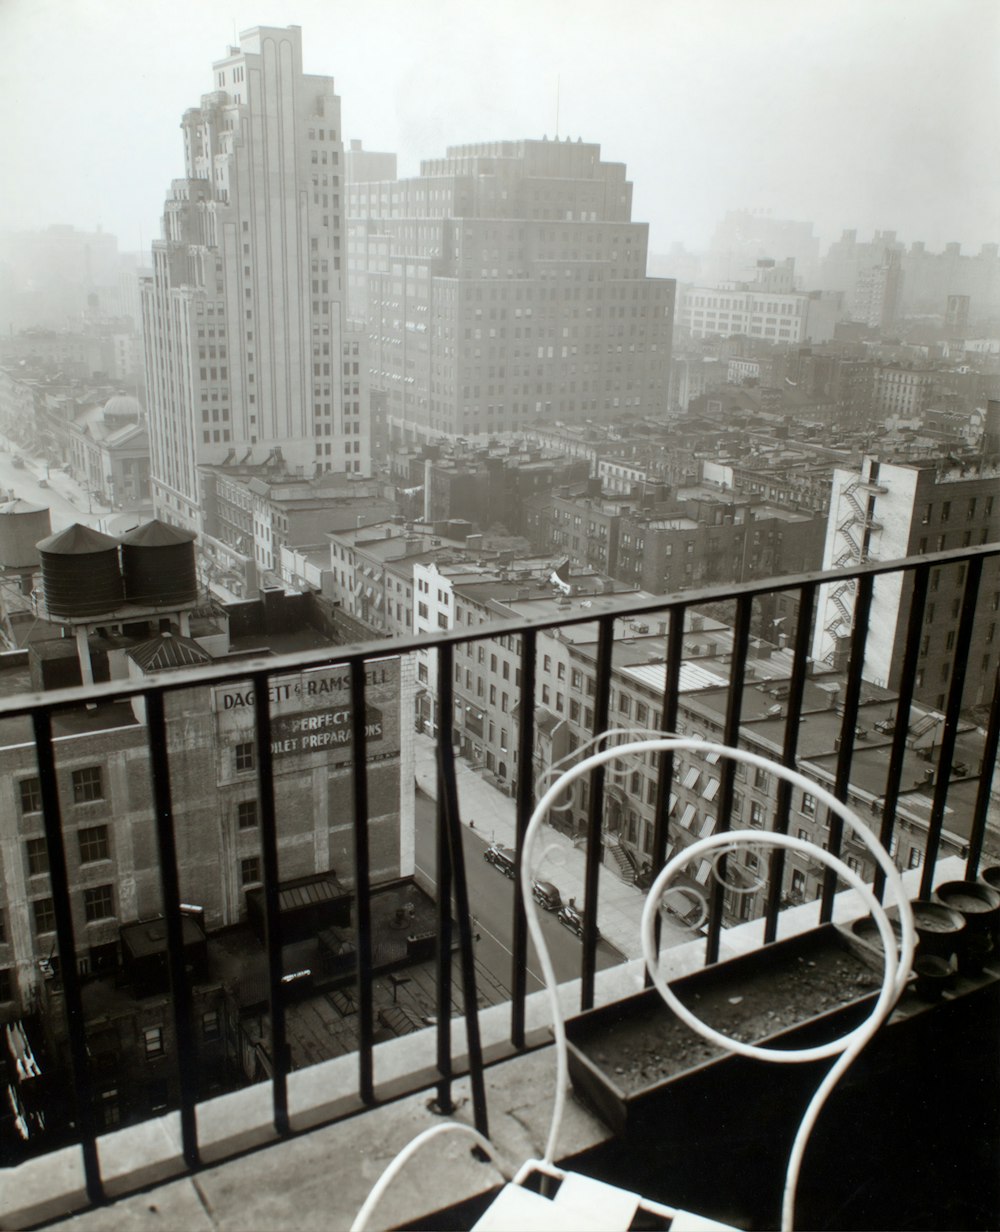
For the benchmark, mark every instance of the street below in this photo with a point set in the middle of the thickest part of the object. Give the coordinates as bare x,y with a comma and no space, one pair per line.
491,899
66,502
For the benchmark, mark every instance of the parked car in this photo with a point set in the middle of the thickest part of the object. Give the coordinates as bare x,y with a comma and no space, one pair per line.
17,461
546,895
502,858
572,917
43,483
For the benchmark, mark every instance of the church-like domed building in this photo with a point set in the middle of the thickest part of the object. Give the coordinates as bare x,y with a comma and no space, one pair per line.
109,452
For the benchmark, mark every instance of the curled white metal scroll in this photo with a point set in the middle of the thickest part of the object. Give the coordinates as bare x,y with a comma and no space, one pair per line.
896,966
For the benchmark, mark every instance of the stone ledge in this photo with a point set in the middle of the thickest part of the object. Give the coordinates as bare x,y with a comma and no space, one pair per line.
319,1180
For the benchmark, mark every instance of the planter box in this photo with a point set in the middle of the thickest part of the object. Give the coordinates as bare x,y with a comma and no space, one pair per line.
625,1057
907,1139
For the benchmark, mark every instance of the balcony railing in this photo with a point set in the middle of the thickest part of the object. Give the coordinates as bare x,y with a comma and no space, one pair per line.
455,919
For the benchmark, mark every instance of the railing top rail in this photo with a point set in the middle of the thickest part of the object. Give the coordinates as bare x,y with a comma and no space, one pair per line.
383,648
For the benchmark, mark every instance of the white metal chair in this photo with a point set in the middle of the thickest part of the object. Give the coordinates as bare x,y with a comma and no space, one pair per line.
581,1202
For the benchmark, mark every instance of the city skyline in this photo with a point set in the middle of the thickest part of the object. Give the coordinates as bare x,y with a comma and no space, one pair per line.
856,117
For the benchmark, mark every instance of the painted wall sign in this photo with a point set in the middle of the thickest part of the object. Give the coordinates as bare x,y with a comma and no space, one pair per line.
312,712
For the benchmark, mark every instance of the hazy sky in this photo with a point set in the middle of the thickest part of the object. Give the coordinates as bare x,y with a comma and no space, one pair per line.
851,113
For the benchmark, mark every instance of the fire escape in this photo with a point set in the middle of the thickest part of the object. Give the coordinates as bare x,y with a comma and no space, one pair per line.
855,532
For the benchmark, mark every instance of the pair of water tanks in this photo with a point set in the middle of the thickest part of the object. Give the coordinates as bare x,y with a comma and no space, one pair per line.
86,573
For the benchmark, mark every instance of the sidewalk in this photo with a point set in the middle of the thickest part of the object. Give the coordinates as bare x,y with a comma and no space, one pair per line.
619,905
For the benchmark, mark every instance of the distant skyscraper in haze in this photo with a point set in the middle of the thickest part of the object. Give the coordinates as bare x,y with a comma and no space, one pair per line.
247,354
870,275
505,288
360,164
744,237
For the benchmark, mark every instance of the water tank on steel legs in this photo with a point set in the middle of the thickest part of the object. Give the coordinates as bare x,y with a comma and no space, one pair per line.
159,566
21,527
81,574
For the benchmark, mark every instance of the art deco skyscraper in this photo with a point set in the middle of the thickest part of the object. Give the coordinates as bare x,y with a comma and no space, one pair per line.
247,354
505,289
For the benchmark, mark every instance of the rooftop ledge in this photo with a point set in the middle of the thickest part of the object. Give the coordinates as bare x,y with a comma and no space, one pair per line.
320,1176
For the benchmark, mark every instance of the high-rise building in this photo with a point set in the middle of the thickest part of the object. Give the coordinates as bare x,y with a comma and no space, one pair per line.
247,354
766,308
361,164
870,275
887,511
742,237
956,316
505,288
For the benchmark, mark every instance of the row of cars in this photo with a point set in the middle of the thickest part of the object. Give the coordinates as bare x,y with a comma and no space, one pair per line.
545,894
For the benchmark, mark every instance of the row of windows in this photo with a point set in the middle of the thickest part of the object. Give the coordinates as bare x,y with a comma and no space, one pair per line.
944,513
93,841
88,785
98,904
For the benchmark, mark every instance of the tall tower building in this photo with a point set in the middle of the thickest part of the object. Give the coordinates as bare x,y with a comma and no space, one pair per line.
247,353
505,288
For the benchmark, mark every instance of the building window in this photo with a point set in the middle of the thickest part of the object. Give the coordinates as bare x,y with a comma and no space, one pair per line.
756,814
6,984
761,778
110,1109
87,785
244,755
98,903
45,915
246,814
31,795
808,804
152,1038
38,857
916,858
210,1026
250,871
93,844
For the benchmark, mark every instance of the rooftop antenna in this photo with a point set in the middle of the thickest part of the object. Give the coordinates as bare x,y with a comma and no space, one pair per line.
557,107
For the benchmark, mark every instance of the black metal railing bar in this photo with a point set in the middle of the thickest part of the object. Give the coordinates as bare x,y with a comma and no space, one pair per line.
911,652
970,595
848,726
731,736
782,808
362,890
180,988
